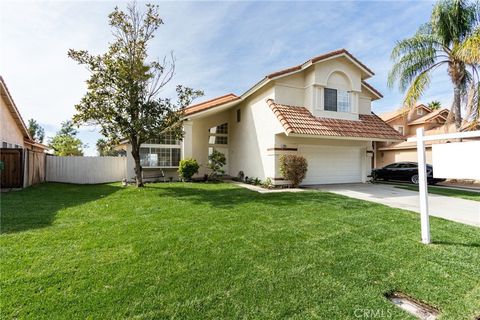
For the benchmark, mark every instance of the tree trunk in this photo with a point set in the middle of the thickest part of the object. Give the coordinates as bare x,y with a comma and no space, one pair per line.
138,167
457,110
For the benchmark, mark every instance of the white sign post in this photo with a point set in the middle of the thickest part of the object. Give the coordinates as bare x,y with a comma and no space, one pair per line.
468,166
423,187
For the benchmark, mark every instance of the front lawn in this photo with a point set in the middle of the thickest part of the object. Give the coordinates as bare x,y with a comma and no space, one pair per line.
464,194
209,251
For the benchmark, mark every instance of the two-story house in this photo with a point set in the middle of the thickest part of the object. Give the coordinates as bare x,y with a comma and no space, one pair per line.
407,123
320,109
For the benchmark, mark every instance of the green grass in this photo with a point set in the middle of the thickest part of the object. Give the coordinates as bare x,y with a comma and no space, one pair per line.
216,251
464,194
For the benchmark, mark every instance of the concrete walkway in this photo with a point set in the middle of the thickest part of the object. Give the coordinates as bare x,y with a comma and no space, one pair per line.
450,208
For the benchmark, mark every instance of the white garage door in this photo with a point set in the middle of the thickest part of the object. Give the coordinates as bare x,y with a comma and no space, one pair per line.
328,164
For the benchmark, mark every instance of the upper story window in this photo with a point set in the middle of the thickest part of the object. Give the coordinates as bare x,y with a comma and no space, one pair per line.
218,134
419,111
336,100
400,129
221,129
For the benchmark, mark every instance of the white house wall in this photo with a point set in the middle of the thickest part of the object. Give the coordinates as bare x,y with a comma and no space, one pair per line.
200,135
253,135
9,130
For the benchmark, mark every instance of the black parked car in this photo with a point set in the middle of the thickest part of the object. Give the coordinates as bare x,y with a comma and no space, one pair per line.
403,171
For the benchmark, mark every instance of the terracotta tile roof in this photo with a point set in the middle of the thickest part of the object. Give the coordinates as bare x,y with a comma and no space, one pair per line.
319,58
215,102
431,116
299,120
390,115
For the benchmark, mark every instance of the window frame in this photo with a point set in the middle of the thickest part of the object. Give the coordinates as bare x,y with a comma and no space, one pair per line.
157,149
215,134
328,107
341,100
397,127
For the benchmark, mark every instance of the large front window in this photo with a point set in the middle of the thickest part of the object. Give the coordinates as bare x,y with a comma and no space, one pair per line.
159,157
336,100
163,152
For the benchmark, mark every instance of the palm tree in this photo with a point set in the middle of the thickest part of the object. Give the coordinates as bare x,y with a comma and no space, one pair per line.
449,40
434,105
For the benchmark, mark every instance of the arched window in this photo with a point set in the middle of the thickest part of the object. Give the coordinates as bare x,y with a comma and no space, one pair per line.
337,93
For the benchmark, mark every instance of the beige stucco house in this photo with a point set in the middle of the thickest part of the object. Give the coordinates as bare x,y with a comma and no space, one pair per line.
407,123
18,149
320,109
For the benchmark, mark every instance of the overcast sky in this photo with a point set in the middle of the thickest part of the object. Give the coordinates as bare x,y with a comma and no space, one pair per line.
220,47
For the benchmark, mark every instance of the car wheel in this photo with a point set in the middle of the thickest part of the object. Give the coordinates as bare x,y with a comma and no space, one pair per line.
414,179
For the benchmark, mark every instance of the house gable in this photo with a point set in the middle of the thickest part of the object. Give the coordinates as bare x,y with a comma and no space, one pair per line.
13,129
307,86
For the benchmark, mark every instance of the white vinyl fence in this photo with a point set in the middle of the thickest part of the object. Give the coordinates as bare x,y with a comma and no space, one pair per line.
85,170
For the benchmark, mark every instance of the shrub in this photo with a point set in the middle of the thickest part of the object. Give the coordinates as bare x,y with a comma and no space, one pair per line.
257,181
187,168
267,184
216,162
293,168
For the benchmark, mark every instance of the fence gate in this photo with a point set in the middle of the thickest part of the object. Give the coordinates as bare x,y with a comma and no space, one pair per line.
12,171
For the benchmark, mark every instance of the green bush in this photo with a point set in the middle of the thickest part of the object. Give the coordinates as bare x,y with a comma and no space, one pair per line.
267,184
216,162
293,168
187,168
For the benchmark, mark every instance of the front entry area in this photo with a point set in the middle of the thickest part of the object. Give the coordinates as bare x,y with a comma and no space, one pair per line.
332,164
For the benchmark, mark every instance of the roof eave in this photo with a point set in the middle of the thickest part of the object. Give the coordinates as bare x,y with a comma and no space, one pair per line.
307,64
213,109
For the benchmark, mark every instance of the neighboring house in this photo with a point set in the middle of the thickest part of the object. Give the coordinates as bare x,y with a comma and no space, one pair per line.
23,159
320,109
407,123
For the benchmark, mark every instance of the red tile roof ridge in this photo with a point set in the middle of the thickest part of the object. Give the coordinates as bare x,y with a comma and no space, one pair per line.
317,59
215,102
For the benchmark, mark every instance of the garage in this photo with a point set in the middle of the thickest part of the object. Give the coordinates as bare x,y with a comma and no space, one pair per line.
332,164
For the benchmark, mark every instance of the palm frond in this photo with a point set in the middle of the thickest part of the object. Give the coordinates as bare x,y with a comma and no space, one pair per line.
469,50
411,57
453,20
416,89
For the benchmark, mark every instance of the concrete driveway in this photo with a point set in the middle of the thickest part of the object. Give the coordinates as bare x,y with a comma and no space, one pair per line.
454,209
